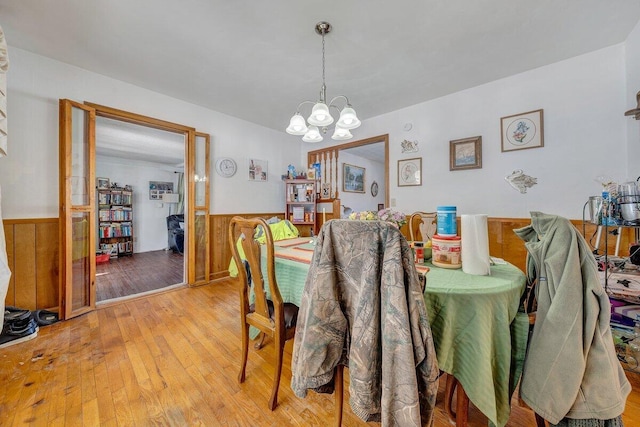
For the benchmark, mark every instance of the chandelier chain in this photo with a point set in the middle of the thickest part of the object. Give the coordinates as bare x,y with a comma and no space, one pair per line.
323,84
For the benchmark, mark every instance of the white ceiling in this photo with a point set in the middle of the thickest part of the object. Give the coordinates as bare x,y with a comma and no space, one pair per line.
257,60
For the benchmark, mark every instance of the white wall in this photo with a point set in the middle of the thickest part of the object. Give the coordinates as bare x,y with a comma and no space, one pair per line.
29,175
374,171
149,216
632,49
584,136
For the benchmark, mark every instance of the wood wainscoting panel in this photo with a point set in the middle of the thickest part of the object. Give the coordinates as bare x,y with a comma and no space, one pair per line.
220,252
25,265
32,252
47,264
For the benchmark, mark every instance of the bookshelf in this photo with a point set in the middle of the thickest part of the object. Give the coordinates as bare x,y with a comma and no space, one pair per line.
115,221
300,204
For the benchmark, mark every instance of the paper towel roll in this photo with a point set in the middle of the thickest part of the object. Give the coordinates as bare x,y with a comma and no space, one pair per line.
475,244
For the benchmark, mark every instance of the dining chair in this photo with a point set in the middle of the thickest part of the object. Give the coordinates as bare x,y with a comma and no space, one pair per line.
261,304
427,225
362,308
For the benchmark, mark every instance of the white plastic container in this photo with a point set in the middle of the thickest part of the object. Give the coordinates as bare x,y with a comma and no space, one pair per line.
446,251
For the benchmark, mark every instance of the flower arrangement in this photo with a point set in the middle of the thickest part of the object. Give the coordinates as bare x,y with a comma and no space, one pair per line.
397,218
364,215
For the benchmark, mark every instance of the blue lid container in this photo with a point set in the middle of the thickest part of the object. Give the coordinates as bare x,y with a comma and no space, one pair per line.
446,220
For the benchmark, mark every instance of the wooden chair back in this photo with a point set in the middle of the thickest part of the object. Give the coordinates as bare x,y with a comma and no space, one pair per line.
267,312
425,222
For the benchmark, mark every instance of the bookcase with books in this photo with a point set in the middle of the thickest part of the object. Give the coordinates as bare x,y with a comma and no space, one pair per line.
300,204
115,221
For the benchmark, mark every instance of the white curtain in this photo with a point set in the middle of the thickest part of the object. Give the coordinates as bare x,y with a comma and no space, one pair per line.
5,273
180,206
4,65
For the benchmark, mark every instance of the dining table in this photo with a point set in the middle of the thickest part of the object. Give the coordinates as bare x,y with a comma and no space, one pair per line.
479,335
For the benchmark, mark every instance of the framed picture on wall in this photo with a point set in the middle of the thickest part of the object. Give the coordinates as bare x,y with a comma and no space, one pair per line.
102,183
410,172
158,188
352,178
258,170
521,131
465,153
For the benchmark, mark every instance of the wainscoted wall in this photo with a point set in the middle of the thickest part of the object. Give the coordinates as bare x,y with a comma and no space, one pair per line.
32,250
32,254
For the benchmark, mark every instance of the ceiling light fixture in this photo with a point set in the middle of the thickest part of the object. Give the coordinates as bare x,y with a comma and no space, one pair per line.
321,117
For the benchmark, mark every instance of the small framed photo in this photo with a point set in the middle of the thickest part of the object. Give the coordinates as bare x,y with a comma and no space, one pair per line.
158,188
380,206
311,173
410,172
352,178
465,153
103,183
258,170
522,131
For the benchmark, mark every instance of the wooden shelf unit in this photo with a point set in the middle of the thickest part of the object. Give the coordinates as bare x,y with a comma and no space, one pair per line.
115,221
300,204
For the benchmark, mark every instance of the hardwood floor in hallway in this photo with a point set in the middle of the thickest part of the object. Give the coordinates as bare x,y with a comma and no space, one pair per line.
142,272
172,359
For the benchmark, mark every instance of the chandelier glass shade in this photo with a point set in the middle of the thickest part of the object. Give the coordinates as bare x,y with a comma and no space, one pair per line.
321,118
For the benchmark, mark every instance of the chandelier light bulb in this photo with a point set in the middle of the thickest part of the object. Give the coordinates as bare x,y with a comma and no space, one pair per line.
320,115
297,125
313,135
348,118
340,134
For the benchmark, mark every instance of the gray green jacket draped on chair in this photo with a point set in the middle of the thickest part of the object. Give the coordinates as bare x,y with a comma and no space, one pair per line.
362,307
571,369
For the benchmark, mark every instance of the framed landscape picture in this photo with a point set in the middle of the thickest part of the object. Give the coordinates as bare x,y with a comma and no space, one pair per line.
352,178
522,131
465,153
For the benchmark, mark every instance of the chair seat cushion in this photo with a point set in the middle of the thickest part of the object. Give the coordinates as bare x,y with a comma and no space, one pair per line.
290,313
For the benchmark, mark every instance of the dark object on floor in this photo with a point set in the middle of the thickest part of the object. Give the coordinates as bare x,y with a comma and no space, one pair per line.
176,232
45,317
19,326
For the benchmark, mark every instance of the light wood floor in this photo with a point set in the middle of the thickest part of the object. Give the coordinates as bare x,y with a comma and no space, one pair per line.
142,272
168,359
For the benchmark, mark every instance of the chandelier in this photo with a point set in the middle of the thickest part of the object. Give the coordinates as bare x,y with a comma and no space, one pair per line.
321,117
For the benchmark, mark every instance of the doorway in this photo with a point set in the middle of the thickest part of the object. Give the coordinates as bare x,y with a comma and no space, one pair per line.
132,155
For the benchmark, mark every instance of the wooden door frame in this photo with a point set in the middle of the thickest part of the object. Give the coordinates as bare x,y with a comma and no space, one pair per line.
189,133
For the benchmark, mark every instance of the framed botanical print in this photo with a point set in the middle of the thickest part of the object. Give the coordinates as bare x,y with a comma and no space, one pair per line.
521,131
410,172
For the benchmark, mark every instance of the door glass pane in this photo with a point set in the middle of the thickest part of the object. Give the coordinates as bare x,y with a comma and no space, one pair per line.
79,158
200,171
200,254
80,262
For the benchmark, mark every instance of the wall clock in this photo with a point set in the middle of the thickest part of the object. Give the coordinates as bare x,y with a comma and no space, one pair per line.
374,189
226,167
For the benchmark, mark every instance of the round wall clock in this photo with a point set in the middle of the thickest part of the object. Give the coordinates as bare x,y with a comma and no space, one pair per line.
374,189
226,167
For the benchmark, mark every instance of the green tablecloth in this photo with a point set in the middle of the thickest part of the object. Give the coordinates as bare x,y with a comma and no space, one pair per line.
479,336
